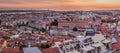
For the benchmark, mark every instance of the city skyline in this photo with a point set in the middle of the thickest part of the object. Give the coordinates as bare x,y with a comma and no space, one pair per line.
60,4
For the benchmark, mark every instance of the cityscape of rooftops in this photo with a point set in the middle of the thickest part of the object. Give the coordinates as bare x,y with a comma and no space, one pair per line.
59,26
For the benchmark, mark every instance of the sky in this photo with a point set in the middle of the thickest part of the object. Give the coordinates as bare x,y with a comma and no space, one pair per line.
60,4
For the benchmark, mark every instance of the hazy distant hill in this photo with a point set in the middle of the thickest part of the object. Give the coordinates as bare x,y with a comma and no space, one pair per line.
4,11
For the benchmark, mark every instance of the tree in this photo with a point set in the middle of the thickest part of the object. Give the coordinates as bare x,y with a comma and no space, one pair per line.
43,29
54,23
67,19
42,46
21,47
6,37
75,29
103,21
47,46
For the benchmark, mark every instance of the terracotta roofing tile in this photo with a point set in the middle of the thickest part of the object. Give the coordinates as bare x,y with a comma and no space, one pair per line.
11,50
115,45
51,50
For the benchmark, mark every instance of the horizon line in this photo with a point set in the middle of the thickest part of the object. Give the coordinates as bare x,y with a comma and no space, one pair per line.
58,9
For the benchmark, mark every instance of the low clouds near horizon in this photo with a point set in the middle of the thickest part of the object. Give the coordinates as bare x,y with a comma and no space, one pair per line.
60,4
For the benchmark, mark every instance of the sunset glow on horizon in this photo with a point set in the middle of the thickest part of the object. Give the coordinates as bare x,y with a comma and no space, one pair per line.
60,4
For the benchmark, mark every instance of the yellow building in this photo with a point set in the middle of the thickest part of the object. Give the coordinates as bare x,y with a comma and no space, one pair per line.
4,44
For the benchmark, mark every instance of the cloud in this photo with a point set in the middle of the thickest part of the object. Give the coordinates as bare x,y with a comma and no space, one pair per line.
59,4
10,2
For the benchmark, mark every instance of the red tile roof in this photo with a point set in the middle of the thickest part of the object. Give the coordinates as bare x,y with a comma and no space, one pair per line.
115,45
51,50
11,50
